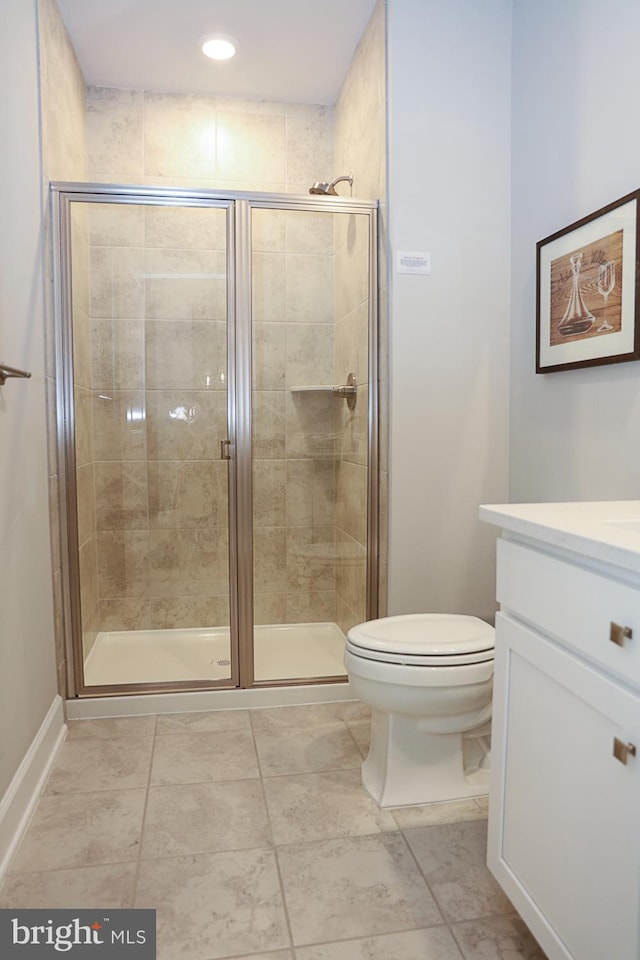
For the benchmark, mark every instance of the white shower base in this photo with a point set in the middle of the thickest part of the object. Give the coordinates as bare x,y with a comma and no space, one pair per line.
281,652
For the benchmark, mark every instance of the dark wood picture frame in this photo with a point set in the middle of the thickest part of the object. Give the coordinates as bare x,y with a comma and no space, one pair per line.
588,290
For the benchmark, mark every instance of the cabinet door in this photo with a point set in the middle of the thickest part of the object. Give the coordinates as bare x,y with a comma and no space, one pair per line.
564,837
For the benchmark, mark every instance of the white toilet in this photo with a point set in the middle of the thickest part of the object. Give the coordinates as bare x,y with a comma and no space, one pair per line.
428,679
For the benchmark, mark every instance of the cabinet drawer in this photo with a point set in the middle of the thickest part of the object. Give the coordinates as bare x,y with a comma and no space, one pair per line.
573,605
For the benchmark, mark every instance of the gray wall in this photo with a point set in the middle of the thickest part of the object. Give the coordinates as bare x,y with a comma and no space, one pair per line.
576,144
449,127
27,667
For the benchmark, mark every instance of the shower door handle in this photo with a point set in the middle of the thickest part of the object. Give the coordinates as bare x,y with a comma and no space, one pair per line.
225,449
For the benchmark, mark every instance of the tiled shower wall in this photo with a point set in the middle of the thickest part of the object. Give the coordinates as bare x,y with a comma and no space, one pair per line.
160,562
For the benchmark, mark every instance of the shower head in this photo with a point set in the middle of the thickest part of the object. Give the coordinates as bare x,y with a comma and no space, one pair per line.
329,189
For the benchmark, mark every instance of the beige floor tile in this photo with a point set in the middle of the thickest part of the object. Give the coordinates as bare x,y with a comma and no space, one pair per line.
205,817
202,757
275,955
496,938
361,733
102,765
86,887
111,728
452,857
77,831
317,806
214,721
309,749
308,714
435,943
214,905
483,803
431,814
354,887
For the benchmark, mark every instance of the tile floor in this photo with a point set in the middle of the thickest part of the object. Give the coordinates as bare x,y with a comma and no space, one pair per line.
250,834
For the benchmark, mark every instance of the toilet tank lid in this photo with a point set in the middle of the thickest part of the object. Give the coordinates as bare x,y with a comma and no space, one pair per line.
427,633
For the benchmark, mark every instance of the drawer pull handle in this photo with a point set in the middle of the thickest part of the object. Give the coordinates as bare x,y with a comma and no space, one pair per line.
623,750
618,634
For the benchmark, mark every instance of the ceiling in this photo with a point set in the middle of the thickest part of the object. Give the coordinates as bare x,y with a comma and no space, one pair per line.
288,50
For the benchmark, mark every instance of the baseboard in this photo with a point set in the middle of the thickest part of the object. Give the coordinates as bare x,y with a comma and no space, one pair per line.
18,803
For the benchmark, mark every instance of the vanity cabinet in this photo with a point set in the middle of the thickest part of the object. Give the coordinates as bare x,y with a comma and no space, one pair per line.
564,822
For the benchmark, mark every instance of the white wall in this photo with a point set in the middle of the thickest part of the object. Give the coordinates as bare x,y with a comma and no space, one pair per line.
27,667
449,129
576,147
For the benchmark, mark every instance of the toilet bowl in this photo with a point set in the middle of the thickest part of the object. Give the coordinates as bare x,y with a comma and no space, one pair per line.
428,679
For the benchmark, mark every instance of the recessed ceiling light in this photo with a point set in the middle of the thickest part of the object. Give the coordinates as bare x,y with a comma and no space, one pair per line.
217,46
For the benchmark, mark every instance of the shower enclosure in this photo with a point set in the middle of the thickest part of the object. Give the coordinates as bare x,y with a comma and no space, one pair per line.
217,430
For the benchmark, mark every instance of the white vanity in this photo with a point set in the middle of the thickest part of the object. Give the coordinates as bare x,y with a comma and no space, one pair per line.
564,822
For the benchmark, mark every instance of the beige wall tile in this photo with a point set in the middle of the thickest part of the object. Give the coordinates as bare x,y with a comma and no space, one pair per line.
185,284
268,230
119,425
88,578
185,228
269,356
81,348
270,608
309,233
189,612
310,425
351,514
187,494
310,280
185,424
116,224
123,563
86,500
117,614
269,493
268,424
351,263
309,143
310,558
268,287
270,559
121,498
115,133
185,562
309,348
117,354
84,428
250,145
179,135
311,492
186,354
117,282
315,606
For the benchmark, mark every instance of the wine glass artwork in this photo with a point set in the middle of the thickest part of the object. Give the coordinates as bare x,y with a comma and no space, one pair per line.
577,317
606,283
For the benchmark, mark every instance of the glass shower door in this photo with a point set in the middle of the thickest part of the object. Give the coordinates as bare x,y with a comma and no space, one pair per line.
310,438
150,307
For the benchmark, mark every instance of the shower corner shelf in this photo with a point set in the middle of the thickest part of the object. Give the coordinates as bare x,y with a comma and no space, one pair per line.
314,388
347,391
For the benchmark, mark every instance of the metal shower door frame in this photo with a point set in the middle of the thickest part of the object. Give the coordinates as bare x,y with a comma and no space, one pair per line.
239,207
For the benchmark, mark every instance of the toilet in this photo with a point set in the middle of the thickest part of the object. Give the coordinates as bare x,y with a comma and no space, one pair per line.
428,679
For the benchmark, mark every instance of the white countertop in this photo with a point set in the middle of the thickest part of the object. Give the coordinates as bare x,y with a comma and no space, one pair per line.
608,531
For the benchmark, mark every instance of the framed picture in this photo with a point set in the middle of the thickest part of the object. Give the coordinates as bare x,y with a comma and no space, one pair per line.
588,290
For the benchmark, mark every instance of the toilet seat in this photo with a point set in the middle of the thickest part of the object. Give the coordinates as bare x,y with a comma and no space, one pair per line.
427,640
